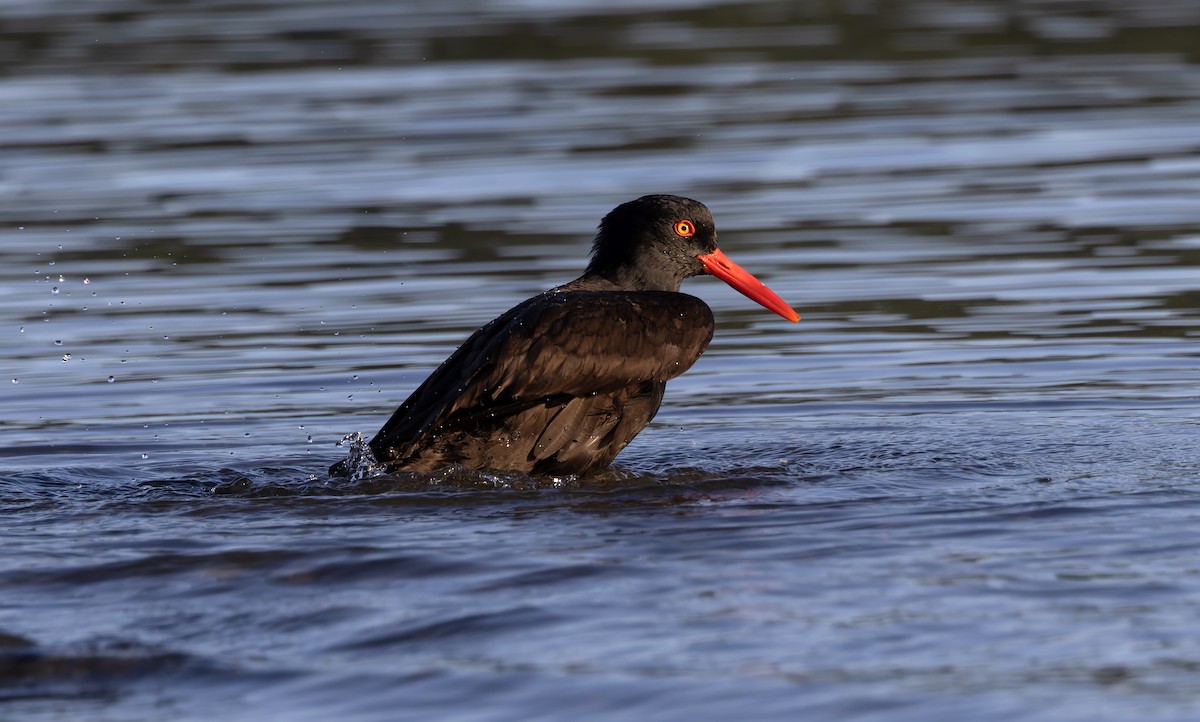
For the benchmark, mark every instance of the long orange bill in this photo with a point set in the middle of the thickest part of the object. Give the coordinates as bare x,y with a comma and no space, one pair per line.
719,265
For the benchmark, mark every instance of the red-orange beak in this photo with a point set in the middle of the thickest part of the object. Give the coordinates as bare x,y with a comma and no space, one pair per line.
719,265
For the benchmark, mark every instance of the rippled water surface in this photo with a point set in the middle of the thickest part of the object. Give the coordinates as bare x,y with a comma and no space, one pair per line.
965,486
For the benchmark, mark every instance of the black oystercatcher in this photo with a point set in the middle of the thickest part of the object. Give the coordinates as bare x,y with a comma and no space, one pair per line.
562,382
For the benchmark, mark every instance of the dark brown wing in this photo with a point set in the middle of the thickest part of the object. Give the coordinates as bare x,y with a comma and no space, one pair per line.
546,365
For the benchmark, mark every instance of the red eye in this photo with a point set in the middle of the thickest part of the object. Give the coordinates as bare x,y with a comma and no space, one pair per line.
685,228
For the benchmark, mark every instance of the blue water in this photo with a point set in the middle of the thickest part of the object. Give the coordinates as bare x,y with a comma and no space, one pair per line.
965,486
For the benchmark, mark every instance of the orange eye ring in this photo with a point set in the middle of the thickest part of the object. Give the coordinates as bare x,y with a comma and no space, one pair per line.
685,228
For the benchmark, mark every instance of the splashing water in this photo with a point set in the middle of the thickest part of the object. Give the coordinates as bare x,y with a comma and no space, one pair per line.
360,462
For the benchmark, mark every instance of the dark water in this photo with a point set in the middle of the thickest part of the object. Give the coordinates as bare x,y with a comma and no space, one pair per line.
966,486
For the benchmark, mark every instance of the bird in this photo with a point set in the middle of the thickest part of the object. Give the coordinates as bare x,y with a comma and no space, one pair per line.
562,382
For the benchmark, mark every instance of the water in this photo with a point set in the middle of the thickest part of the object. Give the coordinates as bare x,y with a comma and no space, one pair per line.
964,486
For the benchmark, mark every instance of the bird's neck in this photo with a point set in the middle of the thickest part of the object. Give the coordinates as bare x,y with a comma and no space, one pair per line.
624,278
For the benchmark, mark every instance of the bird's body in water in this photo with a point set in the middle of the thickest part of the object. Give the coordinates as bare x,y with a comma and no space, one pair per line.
562,382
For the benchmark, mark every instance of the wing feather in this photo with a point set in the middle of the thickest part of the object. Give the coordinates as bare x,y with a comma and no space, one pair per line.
548,350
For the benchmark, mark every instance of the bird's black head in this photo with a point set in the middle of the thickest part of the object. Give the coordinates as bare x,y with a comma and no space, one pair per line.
652,243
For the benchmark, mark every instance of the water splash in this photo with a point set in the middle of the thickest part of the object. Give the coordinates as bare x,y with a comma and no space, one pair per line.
360,462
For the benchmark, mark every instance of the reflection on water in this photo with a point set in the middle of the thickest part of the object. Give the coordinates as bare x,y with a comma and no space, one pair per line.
235,233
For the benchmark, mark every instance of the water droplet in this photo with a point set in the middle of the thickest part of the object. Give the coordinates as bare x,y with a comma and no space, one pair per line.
54,290
15,381
22,329
60,278
310,439
111,379
57,342
87,281
66,357
145,455
51,263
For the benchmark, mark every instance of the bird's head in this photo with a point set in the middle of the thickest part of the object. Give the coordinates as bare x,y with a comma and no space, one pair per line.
655,242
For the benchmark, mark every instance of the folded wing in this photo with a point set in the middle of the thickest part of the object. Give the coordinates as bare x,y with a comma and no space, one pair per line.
553,384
